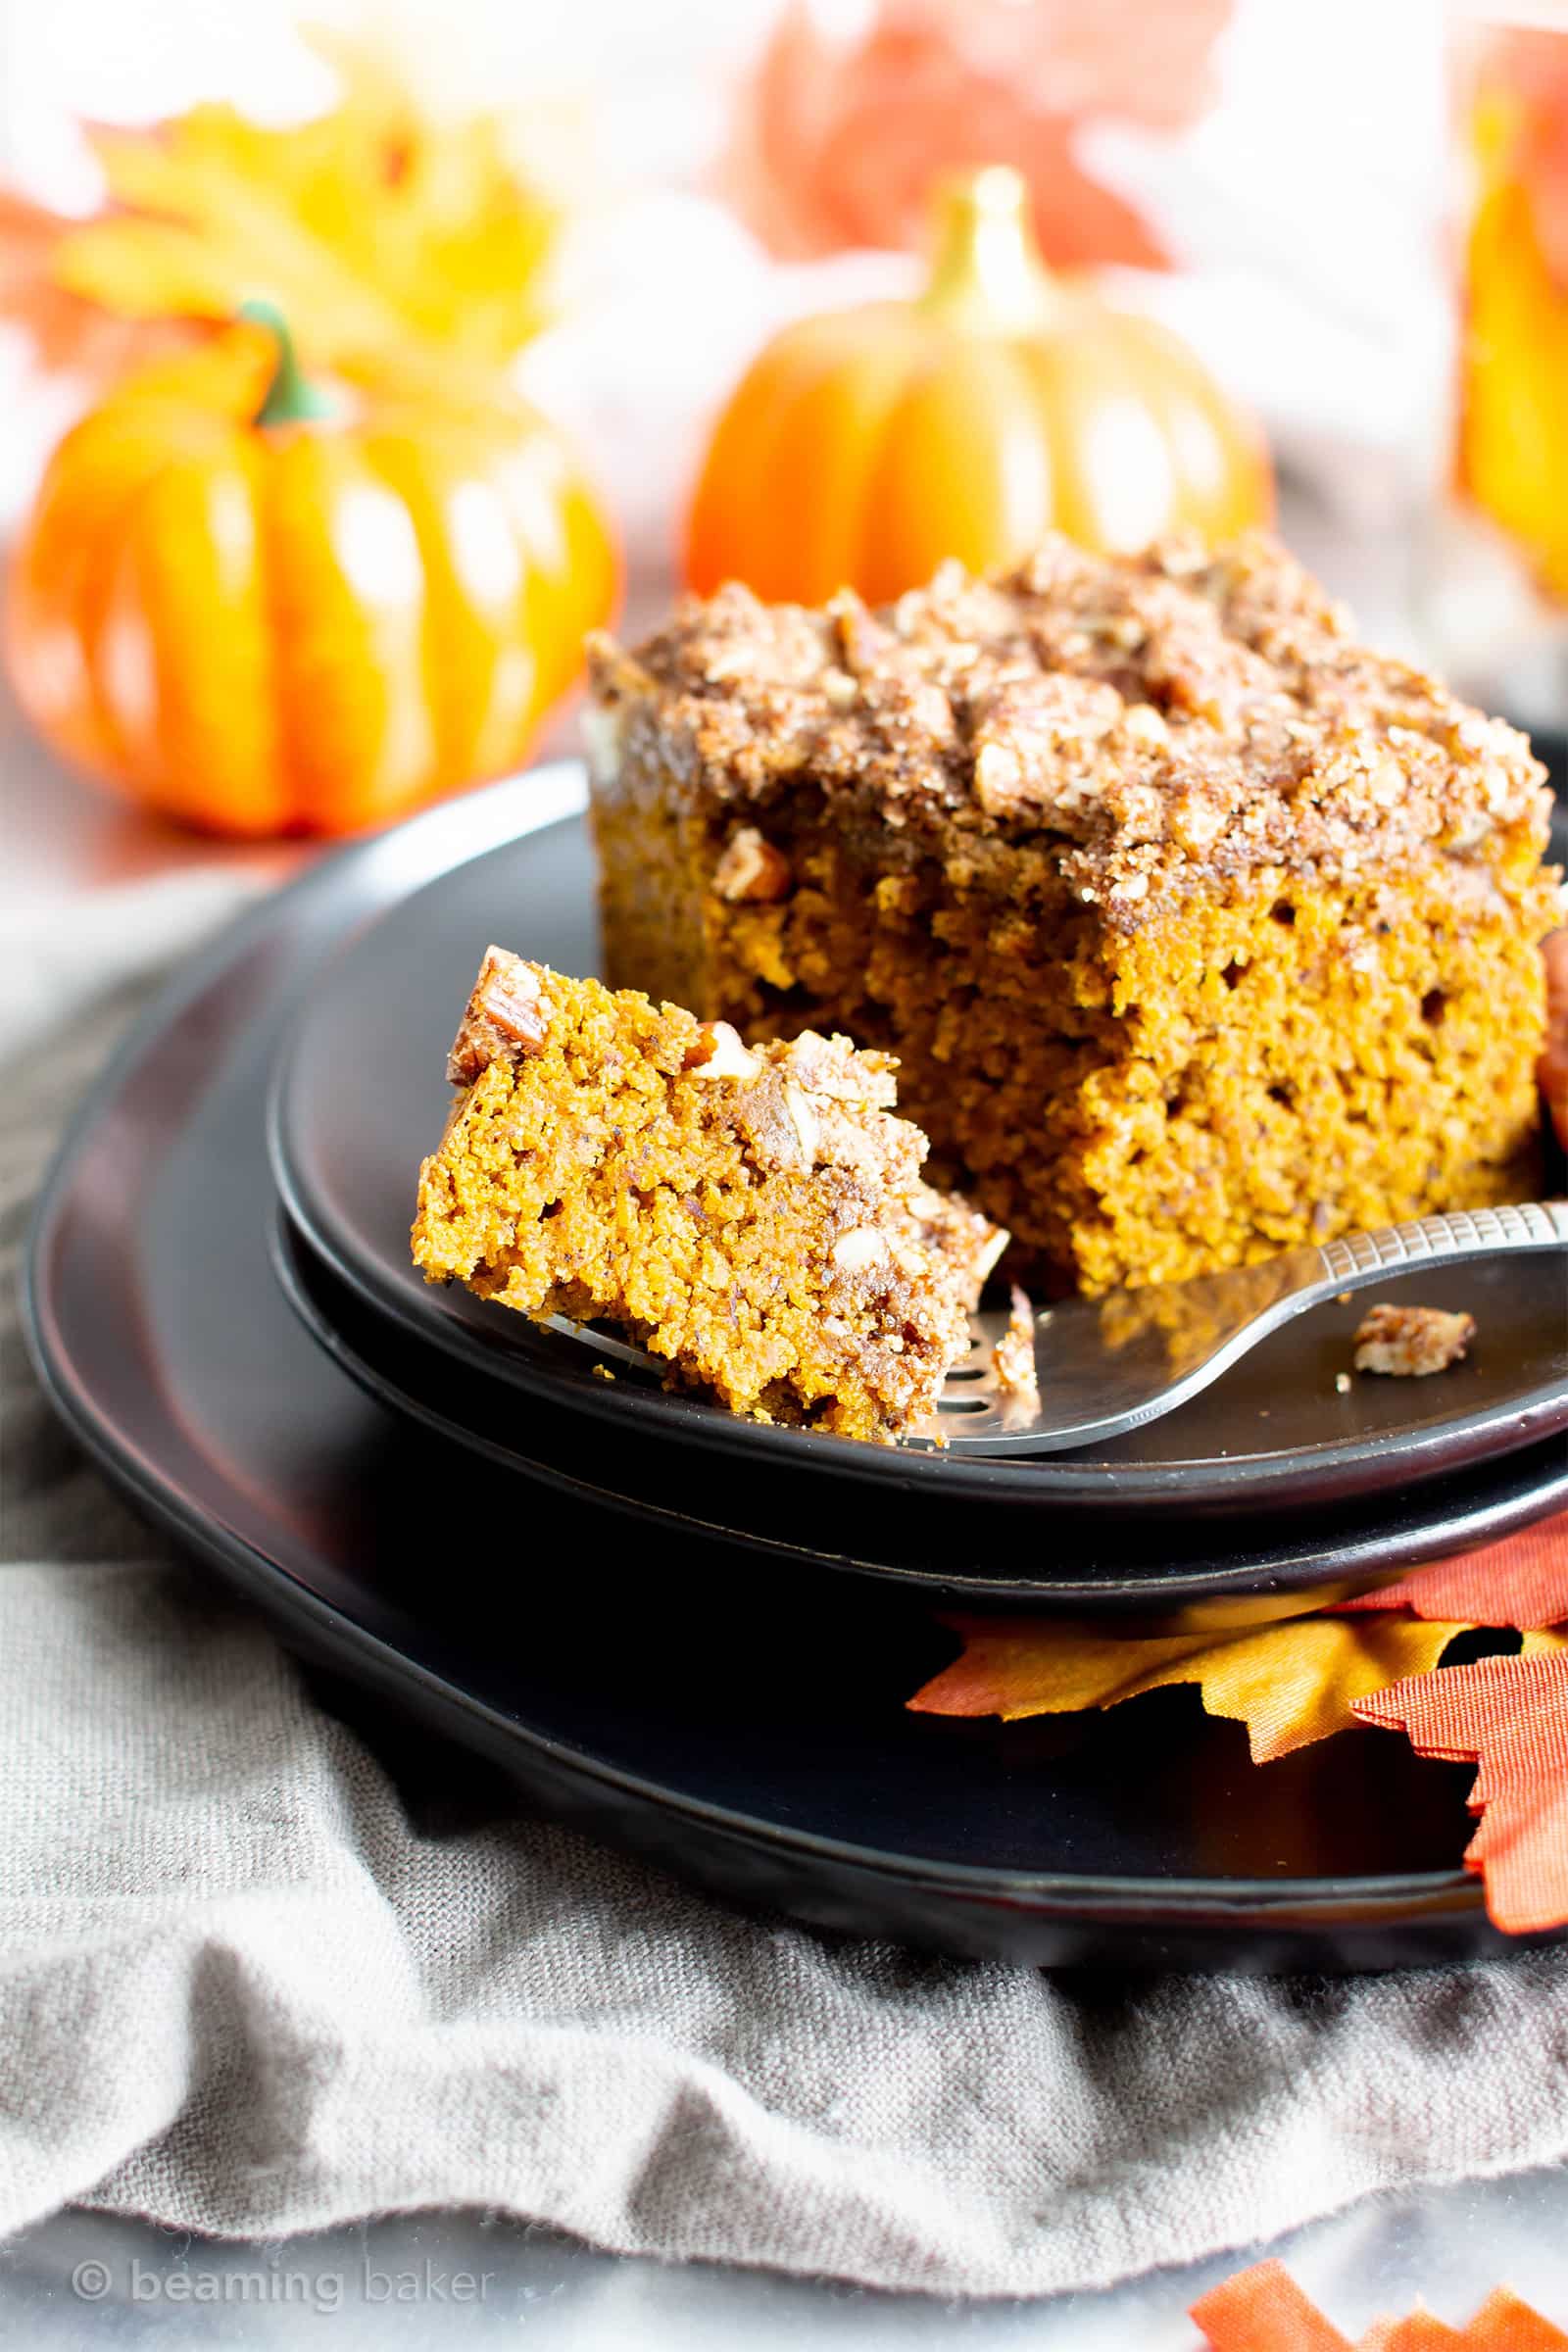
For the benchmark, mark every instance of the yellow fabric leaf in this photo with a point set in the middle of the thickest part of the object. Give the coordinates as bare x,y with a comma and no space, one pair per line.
370,226
1544,1641
1290,1684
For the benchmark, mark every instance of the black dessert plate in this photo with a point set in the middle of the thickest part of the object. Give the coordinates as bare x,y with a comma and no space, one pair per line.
362,1097
1153,1579
646,1682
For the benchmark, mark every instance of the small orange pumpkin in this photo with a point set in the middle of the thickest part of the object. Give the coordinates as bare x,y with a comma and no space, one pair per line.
264,607
864,446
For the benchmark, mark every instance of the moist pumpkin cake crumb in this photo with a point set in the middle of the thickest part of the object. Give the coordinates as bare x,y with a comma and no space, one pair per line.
1198,928
754,1217
1409,1342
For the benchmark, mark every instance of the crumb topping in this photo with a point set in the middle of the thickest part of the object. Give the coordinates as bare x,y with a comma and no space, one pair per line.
1410,1342
1162,716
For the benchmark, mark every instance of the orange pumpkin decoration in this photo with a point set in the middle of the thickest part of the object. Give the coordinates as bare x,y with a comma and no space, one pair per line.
864,446
262,607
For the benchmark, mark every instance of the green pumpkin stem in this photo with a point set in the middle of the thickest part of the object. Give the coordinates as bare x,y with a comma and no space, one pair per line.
291,397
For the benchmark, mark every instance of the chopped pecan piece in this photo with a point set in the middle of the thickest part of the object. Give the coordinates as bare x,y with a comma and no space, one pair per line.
1035,746
507,1015
859,1248
717,1053
1411,1340
752,868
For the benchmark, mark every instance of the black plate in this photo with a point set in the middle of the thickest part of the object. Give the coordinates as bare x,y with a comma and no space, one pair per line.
362,1097
1154,1580
652,1688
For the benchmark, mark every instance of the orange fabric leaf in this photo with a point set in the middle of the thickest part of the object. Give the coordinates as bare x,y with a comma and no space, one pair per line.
1522,1580
64,330
1422,2331
843,129
1505,2325
1290,1684
1263,2310
1511,1716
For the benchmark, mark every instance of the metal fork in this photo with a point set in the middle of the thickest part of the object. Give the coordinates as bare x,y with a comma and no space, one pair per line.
1107,1365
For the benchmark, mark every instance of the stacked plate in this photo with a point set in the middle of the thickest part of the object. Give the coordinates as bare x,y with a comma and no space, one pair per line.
695,1633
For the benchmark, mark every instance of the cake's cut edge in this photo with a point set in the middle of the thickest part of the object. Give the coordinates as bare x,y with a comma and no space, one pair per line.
754,1217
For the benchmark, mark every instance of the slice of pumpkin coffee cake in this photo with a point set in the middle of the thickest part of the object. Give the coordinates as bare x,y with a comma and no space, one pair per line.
753,1215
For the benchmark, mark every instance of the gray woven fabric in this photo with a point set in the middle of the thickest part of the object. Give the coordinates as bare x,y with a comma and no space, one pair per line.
246,1988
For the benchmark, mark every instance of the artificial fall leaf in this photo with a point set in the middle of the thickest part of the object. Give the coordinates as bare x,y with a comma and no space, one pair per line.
844,127
1503,2325
1290,1684
66,331
1510,1715
1522,1580
1263,2310
1421,2332
371,226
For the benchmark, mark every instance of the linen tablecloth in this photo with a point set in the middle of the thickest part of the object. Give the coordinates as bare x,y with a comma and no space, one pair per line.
246,1988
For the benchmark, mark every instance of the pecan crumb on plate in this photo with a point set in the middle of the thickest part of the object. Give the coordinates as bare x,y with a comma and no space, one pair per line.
1015,1357
1411,1340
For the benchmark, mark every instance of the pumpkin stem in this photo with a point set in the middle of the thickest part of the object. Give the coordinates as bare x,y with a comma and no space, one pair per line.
291,397
986,269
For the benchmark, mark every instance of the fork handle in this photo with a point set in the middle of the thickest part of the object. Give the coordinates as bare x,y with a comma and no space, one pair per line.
1351,1263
